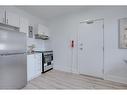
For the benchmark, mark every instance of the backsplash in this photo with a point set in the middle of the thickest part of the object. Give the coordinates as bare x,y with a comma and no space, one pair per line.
40,45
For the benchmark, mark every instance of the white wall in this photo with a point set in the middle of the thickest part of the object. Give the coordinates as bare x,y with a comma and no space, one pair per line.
65,28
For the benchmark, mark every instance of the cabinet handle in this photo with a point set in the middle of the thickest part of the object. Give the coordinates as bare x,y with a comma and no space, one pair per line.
3,20
7,21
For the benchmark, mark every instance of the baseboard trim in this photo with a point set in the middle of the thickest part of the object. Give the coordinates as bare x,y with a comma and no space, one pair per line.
105,77
115,79
62,68
65,69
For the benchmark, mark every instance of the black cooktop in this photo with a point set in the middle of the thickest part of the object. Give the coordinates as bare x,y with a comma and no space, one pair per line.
43,51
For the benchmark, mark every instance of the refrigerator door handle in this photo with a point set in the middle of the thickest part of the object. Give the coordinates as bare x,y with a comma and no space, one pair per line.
11,54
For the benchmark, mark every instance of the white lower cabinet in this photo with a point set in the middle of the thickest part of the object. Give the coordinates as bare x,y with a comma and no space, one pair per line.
34,66
30,67
38,63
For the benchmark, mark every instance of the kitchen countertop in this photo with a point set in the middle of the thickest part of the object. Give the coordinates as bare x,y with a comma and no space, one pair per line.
34,52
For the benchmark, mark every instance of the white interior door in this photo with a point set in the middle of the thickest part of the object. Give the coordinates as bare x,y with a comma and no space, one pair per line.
90,48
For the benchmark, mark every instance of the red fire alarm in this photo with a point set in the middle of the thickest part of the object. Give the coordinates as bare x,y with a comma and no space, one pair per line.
72,43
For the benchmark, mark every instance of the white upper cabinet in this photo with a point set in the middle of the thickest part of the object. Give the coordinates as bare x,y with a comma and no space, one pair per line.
43,30
12,19
9,18
24,23
2,16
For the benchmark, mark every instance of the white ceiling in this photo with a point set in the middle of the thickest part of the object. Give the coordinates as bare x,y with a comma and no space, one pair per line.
50,12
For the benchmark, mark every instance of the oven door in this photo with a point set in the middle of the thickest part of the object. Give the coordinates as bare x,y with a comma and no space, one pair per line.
48,58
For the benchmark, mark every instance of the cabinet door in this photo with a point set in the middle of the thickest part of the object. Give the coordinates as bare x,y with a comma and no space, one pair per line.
46,31
24,23
12,19
38,63
34,66
2,16
43,30
30,67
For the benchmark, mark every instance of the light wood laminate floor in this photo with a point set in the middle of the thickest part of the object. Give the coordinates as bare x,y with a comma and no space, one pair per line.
62,80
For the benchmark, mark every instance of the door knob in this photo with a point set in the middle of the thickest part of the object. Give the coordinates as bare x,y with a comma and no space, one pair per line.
81,48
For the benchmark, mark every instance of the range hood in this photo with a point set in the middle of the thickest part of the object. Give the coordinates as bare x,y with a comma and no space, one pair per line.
42,32
41,36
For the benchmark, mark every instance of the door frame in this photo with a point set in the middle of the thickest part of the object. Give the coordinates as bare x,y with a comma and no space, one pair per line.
85,21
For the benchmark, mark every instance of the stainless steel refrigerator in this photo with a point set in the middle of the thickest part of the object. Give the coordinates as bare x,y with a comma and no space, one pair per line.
13,59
